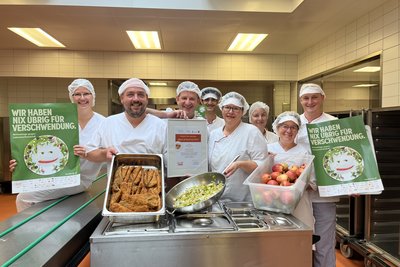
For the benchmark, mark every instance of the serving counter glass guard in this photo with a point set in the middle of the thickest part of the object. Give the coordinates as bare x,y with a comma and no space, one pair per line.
226,235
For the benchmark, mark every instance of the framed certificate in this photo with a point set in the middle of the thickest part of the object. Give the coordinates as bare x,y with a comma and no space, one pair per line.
187,147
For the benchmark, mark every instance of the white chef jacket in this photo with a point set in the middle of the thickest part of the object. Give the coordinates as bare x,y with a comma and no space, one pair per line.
302,138
89,171
303,211
218,122
270,137
116,131
248,142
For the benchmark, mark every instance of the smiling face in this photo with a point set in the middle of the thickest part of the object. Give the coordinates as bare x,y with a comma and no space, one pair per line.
135,102
47,155
210,104
287,132
312,105
232,114
343,163
259,118
188,102
83,98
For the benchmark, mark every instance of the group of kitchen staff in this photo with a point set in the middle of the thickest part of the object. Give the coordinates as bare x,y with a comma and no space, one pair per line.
139,129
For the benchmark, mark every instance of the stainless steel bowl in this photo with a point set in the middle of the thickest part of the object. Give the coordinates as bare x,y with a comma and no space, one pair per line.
200,179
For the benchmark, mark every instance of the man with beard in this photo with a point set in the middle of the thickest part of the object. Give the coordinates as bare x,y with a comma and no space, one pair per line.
132,131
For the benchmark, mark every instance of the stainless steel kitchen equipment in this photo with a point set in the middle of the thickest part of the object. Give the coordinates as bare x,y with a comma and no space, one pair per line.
200,179
209,238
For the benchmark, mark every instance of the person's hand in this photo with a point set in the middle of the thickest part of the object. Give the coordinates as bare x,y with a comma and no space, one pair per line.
12,165
177,114
80,151
231,169
110,152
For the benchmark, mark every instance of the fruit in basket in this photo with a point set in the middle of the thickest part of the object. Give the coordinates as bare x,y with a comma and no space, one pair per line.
274,175
292,176
287,197
272,182
282,177
282,173
278,168
285,183
265,178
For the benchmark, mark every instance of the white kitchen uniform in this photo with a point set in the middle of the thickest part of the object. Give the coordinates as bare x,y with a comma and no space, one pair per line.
89,171
324,208
116,131
246,141
303,211
218,122
270,137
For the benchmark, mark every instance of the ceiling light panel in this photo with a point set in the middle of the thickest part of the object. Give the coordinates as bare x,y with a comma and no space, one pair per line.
37,36
247,41
369,69
365,85
145,39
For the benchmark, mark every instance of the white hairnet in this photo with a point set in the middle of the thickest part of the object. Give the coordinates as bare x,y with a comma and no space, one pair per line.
234,99
133,82
189,87
257,105
210,92
286,116
310,88
81,83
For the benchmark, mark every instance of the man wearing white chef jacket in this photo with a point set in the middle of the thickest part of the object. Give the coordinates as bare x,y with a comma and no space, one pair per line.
324,208
132,131
233,139
210,97
187,98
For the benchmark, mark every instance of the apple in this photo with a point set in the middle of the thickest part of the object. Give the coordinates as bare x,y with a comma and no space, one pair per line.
265,178
274,175
291,175
272,182
267,196
293,168
282,177
285,183
303,166
277,168
299,171
287,197
285,167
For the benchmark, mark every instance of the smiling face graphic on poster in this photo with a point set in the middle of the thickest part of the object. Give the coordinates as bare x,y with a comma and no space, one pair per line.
46,154
343,163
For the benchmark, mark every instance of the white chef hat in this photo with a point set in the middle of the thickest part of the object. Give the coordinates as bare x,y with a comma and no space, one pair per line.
189,87
257,105
210,92
133,82
286,116
234,99
81,83
311,88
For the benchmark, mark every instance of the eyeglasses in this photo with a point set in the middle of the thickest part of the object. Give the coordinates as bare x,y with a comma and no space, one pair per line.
287,127
81,94
234,109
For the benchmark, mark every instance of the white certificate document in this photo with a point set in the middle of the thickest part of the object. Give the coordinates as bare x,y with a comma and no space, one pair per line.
187,147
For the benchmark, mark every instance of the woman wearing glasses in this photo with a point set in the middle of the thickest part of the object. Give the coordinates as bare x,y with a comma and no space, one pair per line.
81,92
236,138
286,126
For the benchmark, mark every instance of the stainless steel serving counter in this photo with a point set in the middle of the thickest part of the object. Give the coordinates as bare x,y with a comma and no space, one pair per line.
230,237
52,233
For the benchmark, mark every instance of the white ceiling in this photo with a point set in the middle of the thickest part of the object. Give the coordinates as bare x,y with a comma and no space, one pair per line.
194,31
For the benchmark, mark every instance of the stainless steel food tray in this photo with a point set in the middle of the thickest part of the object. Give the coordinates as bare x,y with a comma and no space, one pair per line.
146,160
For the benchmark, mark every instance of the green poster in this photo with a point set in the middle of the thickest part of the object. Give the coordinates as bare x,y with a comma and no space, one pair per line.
344,159
42,137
